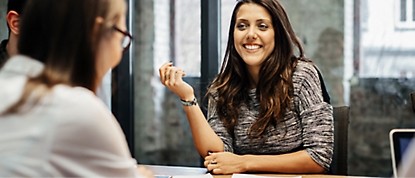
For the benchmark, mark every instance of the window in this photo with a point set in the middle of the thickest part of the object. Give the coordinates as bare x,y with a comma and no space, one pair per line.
187,35
227,8
405,14
386,43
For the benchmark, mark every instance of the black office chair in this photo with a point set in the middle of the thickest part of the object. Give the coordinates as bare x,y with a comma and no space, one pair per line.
341,128
413,100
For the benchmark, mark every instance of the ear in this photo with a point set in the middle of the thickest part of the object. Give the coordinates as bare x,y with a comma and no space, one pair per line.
98,23
13,19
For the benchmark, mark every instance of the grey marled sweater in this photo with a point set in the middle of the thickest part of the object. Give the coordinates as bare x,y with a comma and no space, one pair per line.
312,131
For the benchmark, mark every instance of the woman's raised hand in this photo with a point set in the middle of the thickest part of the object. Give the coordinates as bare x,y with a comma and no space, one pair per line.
171,77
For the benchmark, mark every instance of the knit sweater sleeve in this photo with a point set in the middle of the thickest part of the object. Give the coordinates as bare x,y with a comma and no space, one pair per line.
217,124
315,115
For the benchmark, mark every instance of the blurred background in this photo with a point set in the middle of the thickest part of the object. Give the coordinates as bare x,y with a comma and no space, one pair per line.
364,48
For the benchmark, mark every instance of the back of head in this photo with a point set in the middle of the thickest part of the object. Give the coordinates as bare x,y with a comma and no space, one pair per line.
16,5
64,35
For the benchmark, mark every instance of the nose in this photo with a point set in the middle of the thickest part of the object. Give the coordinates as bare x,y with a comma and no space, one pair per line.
252,34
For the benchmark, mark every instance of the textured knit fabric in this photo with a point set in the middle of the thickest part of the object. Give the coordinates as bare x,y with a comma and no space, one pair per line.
309,127
3,52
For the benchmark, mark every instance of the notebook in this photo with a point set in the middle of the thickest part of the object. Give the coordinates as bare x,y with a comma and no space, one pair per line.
400,139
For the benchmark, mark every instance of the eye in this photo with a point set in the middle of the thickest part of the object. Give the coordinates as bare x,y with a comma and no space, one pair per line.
241,26
263,26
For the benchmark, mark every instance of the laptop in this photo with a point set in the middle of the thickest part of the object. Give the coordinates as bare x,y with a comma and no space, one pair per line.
400,140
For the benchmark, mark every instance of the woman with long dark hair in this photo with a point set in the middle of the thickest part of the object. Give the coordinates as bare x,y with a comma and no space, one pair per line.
266,110
51,122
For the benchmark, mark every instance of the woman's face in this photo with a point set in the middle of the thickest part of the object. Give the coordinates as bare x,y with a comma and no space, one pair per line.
253,35
110,46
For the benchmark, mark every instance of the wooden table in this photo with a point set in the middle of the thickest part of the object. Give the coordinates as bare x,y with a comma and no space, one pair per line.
177,170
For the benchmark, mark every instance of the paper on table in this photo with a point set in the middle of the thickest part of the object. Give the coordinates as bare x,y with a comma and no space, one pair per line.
161,176
208,175
254,176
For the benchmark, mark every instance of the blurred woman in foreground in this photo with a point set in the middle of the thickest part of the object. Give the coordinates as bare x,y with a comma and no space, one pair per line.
51,122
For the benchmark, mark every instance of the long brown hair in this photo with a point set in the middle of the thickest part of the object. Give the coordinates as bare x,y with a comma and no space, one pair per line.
64,36
275,85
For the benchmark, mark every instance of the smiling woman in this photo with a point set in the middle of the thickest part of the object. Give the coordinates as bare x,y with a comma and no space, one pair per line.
266,110
254,37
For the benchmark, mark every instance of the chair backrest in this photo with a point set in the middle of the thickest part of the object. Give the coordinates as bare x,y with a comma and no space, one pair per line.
413,100
341,128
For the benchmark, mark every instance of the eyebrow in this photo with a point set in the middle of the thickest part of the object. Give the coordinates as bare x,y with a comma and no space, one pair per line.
259,20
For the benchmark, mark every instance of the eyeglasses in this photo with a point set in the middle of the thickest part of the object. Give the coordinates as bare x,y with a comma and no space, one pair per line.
126,41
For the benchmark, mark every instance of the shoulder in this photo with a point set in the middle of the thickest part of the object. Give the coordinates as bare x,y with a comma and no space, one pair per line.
13,78
213,94
304,68
76,97
85,123
79,105
78,111
305,72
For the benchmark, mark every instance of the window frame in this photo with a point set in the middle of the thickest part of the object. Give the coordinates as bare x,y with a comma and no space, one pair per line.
409,19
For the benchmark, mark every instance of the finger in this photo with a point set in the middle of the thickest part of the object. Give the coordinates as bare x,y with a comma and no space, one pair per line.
217,171
166,65
172,75
169,74
180,73
208,159
177,77
211,167
163,69
162,76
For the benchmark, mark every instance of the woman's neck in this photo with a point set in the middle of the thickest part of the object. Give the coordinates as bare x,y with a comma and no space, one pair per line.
12,45
253,77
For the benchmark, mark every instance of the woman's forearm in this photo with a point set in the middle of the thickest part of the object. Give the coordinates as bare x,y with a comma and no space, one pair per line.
204,137
297,162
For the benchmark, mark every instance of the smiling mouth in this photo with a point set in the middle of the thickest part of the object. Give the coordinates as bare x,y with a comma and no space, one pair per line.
252,47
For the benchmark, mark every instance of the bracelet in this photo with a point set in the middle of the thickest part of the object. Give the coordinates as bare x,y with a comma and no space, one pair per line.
189,103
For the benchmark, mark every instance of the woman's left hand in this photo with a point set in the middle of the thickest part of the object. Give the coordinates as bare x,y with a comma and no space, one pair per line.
225,163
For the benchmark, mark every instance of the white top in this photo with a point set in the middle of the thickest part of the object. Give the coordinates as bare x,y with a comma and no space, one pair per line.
69,133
